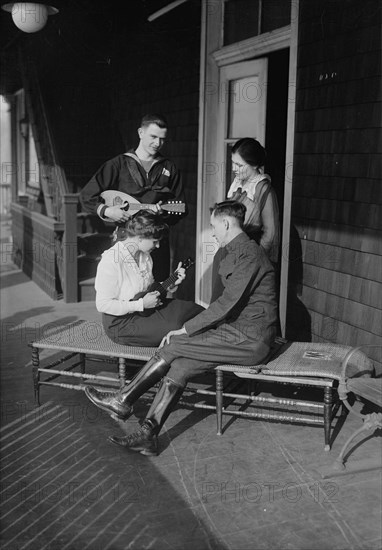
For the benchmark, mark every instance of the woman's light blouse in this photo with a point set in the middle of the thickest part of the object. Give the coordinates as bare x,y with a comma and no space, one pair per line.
120,278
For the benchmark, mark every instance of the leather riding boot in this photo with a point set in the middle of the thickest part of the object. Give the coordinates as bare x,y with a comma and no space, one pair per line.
120,403
144,440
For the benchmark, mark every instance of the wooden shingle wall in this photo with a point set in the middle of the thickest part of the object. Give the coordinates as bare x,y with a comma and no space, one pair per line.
335,284
164,78
123,68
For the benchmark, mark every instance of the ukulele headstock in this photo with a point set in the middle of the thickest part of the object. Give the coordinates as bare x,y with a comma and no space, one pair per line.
186,264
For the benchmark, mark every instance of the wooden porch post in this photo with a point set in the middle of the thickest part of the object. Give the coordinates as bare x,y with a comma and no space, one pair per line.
69,248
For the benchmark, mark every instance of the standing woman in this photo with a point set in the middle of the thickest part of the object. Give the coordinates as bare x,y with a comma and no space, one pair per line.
253,188
125,271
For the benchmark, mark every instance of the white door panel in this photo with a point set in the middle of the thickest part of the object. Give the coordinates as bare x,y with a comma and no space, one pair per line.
241,112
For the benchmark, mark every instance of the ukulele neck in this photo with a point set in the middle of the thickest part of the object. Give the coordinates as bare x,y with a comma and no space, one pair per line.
170,281
165,285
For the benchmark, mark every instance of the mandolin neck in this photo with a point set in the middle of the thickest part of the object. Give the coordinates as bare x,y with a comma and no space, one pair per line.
134,206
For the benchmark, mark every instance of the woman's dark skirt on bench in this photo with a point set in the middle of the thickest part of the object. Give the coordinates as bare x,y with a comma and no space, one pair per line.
147,328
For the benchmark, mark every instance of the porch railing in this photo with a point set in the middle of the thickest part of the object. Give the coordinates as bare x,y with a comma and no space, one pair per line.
60,204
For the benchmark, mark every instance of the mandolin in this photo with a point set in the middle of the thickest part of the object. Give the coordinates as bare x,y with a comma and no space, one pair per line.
163,287
129,203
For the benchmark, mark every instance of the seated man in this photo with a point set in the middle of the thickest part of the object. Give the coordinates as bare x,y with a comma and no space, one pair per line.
238,328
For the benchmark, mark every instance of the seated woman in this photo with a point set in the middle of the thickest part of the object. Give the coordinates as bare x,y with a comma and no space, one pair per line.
125,271
253,188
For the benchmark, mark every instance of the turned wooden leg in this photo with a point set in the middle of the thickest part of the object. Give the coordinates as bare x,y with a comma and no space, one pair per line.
36,375
122,371
328,403
219,400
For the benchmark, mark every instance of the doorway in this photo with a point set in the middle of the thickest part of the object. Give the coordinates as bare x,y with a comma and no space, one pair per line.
242,109
254,103
250,99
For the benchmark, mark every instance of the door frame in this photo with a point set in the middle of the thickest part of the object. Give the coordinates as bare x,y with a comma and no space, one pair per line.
213,56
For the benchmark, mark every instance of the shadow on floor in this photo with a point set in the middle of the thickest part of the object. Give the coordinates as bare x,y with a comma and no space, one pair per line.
65,486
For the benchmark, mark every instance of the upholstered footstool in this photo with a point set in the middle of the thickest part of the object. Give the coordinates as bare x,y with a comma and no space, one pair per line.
304,364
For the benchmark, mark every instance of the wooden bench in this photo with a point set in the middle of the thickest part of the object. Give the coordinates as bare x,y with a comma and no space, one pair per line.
292,363
83,340
299,364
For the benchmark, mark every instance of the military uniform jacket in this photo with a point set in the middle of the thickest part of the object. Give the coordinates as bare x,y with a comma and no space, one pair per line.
243,294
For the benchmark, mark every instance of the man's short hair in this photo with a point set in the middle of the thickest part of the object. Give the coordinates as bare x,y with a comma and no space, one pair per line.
233,209
155,118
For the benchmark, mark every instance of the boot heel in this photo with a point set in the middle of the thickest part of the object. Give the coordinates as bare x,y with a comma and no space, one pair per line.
145,452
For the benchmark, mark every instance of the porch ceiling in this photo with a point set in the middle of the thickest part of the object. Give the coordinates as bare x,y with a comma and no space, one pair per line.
81,26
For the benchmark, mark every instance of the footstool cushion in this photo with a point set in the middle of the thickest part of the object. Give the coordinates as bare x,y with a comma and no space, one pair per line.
320,360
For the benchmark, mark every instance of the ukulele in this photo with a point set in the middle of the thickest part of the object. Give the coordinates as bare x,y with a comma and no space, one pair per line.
165,285
129,203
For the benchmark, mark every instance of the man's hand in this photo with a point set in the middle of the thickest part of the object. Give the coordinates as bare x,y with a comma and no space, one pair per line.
151,300
116,213
166,339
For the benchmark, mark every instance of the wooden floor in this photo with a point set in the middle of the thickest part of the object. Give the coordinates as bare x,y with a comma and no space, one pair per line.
64,486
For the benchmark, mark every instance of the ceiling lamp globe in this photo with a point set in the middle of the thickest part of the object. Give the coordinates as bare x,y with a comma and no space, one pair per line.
29,16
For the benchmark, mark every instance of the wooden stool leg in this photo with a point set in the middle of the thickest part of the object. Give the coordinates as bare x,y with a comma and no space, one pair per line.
36,375
122,371
328,403
219,400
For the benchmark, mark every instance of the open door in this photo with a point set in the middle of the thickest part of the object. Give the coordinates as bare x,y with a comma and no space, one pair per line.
242,109
240,102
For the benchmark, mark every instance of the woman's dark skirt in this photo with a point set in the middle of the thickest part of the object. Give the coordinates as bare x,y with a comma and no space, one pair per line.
147,328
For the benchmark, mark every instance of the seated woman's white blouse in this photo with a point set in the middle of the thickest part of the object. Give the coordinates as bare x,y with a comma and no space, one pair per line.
119,278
